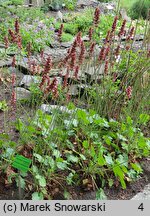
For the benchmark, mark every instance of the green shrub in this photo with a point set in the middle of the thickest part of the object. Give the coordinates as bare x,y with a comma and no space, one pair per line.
70,28
70,4
140,9
66,37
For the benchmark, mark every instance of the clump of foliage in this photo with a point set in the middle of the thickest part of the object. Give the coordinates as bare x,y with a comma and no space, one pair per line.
140,9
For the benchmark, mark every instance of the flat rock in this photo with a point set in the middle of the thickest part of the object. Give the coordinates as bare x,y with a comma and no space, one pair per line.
144,195
85,38
73,90
57,54
92,71
22,93
28,80
66,44
50,108
87,3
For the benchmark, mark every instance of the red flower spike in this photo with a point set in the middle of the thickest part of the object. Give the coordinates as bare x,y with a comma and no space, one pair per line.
29,50
90,33
13,98
96,16
13,64
102,54
107,50
117,51
82,53
106,68
60,31
12,35
65,83
91,50
73,60
17,28
76,72
78,38
129,92
114,25
130,34
48,65
107,37
19,42
13,79
122,29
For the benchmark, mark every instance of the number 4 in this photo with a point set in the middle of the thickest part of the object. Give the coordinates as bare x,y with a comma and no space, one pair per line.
141,207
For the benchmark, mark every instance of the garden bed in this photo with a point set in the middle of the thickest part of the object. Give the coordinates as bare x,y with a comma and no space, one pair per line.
74,105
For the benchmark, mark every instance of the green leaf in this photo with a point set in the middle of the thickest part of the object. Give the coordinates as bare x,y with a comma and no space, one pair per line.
75,122
143,119
123,160
92,151
20,182
107,139
119,173
100,195
82,157
85,144
72,158
38,157
41,180
100,160
110,182
129,120
56,153
136,167
82,115
61,165
121,137
109,159
37,196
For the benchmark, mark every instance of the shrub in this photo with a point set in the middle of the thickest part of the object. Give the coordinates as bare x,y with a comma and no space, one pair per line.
140,9
66,37
70,28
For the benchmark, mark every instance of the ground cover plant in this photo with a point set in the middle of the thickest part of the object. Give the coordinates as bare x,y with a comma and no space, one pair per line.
93,139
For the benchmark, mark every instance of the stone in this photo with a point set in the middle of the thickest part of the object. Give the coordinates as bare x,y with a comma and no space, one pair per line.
92,71
85,38
55,44
28,80
57,54
19,75
81,75
22,94
144,195
49,109
73,90
59,16
110,7
87,3
66,44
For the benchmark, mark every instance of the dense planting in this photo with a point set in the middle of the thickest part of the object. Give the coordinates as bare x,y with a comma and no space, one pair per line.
92,137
